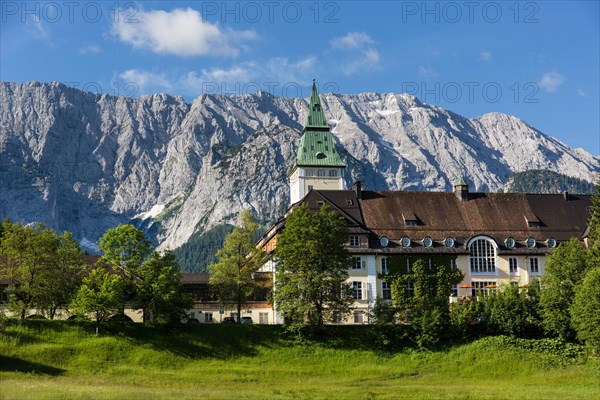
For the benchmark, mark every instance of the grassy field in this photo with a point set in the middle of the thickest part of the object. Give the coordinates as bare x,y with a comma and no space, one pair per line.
60,360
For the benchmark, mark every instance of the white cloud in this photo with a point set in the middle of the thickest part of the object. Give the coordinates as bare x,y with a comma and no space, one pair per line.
181,32
91,49
581,92
363,57
369,60
427,72
485,56
145,81
352,40
551,81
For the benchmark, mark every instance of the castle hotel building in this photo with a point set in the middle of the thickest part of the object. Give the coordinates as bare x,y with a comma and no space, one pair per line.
493,238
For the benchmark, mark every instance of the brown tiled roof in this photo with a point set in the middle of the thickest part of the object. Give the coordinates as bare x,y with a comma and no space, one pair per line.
498,215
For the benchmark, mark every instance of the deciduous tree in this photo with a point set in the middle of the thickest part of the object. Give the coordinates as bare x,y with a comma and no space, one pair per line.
159,289
585,310
101,294
312,267
564,270
234,276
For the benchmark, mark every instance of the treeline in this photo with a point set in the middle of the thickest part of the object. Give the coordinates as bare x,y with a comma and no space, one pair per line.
545,181
48,272
200,250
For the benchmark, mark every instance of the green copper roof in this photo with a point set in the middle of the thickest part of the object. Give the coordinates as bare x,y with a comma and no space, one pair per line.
461,182
316,146
315,117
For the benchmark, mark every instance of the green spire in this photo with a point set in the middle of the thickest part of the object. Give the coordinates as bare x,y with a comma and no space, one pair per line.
315,117
317,147
461,182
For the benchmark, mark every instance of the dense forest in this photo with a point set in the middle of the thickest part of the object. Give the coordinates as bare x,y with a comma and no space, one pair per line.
544,181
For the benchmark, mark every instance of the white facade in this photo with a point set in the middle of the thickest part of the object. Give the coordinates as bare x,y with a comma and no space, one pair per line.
304,179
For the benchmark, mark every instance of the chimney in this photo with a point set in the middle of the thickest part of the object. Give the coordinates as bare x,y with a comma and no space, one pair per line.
357,187
461,190
566,196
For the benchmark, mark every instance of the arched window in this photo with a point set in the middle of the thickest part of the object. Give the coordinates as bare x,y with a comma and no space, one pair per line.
482,257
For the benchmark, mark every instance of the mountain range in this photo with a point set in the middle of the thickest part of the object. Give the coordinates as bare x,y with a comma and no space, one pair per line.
85,162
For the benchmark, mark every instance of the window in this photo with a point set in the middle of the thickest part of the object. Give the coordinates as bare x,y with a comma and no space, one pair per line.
208,317
453,264
454,290
531,242
386,291
336,318
483,256
449,241
321,172
358,317
332,173
320,203
429,264
410,222
354,241
405,241
513,266
310,187
410,289
534,266
510,242
427,241
407,266
349,202
358,263
385,265
263,318
551,242
357,290
310,172
482,287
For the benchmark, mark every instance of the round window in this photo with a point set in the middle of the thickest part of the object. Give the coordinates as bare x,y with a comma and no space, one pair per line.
405,241
449,241
551,242
383,241
530,242
510,242
427,242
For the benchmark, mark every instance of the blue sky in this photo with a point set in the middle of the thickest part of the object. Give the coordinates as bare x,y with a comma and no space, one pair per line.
537,60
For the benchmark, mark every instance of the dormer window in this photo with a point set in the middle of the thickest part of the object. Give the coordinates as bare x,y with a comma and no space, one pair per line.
510,242
332,173
320,203
531,242
551,242
354,241
410,219
427,241
532,220
449,241
405,241
349,202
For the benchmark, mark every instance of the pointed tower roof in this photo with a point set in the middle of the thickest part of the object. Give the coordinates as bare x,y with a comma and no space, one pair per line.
317,148
315,117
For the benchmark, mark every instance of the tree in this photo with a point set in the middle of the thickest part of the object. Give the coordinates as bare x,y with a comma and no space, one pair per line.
585,310
594,222
234,276
25,253
506,311
564,270
60,279
159,289
427,305
125,249
100,294
312,267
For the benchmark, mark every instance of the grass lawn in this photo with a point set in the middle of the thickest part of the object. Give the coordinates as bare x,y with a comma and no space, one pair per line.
62,360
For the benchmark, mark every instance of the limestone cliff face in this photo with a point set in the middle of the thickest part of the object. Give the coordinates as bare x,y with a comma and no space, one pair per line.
85,162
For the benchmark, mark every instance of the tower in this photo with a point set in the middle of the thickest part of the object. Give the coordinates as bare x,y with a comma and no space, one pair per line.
318,165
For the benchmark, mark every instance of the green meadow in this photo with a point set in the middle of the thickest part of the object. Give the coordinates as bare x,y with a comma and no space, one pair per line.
66,360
